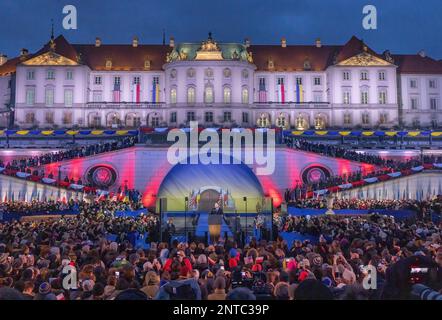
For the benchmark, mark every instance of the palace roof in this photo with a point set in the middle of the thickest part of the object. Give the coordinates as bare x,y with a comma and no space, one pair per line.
266,57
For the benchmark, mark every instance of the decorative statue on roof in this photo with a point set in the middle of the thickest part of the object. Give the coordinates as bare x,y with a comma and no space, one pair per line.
388,57
235,55
172,56
183,55
209,44
250,57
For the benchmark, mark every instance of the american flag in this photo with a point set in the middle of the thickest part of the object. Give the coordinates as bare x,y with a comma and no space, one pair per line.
262,91
116,92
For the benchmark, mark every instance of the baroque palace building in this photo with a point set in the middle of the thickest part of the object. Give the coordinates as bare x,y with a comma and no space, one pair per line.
219,84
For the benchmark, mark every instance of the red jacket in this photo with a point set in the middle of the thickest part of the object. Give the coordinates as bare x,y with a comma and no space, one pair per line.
186,262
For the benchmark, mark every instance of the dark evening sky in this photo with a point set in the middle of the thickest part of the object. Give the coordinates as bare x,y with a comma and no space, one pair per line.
404,26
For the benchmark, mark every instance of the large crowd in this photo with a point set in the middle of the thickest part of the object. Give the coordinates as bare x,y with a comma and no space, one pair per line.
363,204
382,166
34,256
337,151
31,165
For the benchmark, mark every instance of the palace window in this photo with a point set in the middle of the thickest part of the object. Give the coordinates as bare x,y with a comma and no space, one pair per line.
317,81
117,80
30,75
69,75
434,103
227,116
414,103
97,97
416,123
413,83
190,116
245,117
173,97
227,73
364,75
383,97
97,80
30,118
136,80
347,119
382,75
366,118
346,97
364,96
49,117
432,83
317,97
346,75
30,96
67,118
227,92
50,75
49,96
68,97
383,118
245,74
173,117
299,80
208,94
245,95
208,117
155,121
191,95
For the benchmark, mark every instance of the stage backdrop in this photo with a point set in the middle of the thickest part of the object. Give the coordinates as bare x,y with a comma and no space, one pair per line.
234,186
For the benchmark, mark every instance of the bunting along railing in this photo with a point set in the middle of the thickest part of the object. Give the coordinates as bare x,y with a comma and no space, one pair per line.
60,132
360,133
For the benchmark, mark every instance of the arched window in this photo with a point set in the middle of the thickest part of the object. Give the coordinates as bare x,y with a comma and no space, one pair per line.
245,95
173,95
263,120
208,94
320,123
301,123
227,95
191,95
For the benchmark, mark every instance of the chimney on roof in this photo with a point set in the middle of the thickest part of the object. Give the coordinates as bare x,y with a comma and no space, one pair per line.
3,59
283,42
422,53
171,42
318,43
247,42
97,42
135,42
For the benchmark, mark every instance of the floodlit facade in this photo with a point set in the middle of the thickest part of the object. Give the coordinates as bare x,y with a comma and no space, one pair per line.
219,84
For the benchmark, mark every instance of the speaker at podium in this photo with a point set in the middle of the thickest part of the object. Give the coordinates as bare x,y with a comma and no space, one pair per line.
215,221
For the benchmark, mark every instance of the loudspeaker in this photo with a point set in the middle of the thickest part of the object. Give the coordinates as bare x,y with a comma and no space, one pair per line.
244,199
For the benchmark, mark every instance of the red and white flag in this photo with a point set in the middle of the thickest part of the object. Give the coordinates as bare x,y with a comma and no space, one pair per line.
136,93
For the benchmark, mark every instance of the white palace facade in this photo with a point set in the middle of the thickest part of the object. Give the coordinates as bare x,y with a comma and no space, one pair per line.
300,87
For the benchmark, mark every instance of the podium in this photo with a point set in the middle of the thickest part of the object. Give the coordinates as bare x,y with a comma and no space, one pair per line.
215,222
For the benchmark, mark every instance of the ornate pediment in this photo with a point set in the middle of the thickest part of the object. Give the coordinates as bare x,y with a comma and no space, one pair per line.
364,59
50,59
